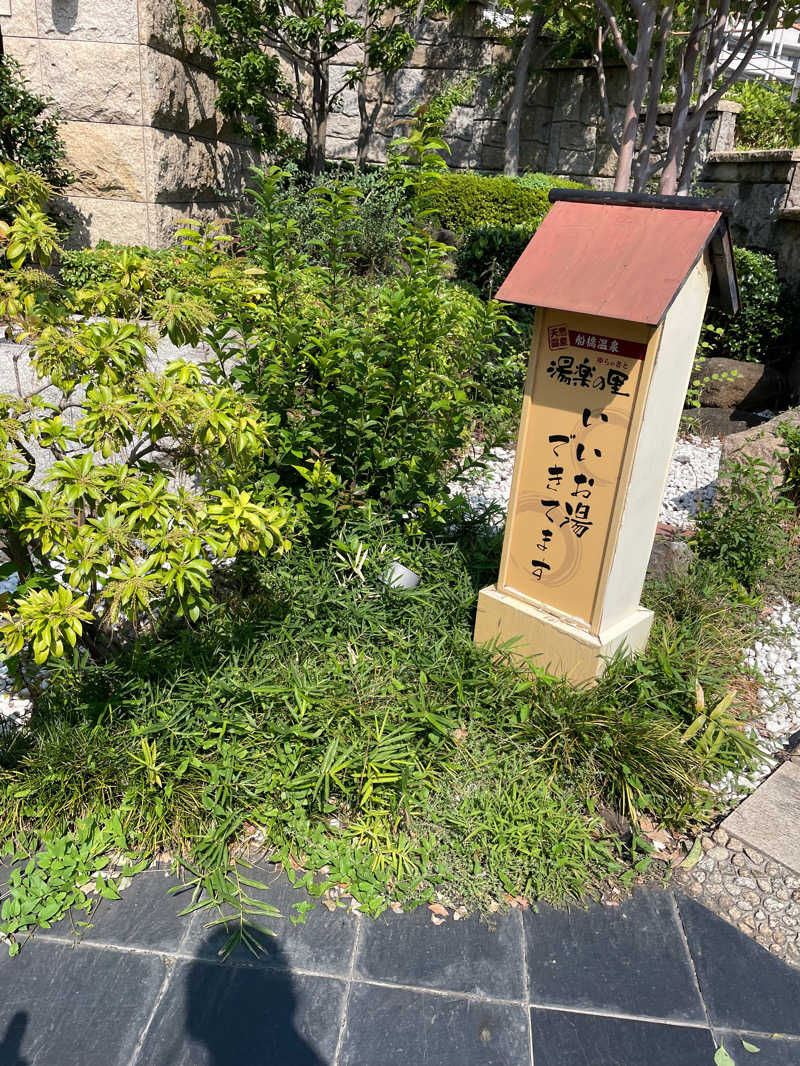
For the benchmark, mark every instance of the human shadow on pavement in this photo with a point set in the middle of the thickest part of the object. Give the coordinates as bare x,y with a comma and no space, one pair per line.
244,1014
11,1043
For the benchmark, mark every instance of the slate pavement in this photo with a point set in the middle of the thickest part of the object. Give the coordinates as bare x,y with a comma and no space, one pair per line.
657,981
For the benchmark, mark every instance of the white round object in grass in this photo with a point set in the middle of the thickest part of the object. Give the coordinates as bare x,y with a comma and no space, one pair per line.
397,576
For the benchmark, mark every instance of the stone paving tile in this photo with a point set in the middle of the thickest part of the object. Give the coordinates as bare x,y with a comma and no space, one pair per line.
401,1027
147,916
629,959
561,1038
772,1050
65,1006
467,956
742,984
321,944
767,819
216,1014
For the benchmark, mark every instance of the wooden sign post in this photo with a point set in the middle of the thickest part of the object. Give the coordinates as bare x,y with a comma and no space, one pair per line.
620,284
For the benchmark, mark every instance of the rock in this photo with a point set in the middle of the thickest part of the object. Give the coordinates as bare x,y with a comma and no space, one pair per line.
105,159
719,854
721,422
745,386
721,837
669,556
177,96
108,87
86,20
735,845
763,442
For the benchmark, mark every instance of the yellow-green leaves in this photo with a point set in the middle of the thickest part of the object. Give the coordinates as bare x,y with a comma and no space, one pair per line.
49,619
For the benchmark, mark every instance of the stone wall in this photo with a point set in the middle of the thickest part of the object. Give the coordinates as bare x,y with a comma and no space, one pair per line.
562,129
763,189
144,140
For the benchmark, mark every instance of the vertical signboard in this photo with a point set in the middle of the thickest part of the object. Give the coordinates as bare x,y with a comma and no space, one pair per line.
583,387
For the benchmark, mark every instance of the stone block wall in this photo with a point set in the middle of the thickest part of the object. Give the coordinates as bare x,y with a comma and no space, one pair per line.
144,140
562,128
763,189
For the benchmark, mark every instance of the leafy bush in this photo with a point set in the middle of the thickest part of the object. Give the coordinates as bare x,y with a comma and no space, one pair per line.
763,325
743,531
463,202
100,539
29,128
768,119
129,269
377,384
790,434
376,229
487,254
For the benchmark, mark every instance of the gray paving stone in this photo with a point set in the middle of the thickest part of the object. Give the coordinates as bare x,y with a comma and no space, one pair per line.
561,1038
743,985
629,959
218,1014
147,916
466,956
64,1006
767,820
399,1027
323,943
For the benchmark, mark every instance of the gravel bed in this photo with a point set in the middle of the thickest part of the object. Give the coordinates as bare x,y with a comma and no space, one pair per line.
691,482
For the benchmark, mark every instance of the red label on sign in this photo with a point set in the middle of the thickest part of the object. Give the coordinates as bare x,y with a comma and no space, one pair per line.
563,337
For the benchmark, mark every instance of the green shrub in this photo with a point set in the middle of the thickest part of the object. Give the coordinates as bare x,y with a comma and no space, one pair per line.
462,202
376,229
790,434
495,218
373,389
153,271
29,128
743,532
102,543
768,119
487,254
763,326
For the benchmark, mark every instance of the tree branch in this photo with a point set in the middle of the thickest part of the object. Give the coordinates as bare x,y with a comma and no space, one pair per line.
601,82
613,25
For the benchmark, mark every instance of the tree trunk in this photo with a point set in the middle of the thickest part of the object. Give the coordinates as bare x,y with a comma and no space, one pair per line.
315,150
521,74
638,77
17,552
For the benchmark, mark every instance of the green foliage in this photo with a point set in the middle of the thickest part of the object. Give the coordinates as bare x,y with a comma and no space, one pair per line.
378,384
432,117
26,232
495,217
764,325
743,531
464,202
29,129
101,540
361,730
245,38
128,279
53,874
790,434
768,119
380,218
487,254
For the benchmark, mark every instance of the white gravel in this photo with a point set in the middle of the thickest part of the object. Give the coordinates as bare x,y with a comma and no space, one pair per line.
15,708
691,482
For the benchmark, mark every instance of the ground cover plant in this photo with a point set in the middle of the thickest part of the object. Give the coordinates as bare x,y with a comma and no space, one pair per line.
356,728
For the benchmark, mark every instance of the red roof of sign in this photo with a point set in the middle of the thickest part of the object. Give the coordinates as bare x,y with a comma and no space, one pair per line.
610,260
